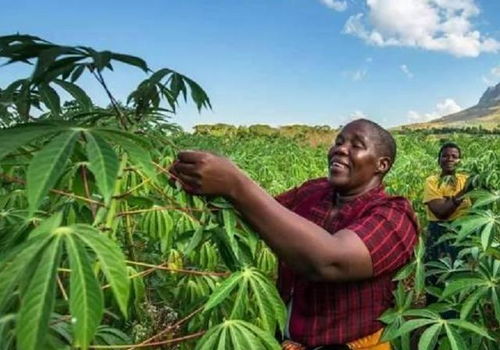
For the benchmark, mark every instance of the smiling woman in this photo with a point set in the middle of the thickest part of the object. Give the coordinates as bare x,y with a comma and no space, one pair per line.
339,239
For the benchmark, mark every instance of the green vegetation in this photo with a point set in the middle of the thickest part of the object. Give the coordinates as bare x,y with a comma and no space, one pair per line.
99,247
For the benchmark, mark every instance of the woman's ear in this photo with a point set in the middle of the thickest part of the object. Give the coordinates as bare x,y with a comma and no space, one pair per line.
384,164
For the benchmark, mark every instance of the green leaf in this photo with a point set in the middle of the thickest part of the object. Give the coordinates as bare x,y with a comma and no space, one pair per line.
136,147
104,164
48,225
237,334
487,235
14,264
77,73
131,60
86,301
404,272
268,341
425,313
47,165
456,341
271,296
223,290
470,327
471,302
50,98
15,137
461,284
77,93
429,337
38,301
411,325
112,262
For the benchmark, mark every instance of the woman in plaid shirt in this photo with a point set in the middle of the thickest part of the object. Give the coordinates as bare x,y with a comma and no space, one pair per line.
340,239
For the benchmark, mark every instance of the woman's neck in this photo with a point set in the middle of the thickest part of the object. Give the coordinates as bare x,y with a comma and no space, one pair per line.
342,198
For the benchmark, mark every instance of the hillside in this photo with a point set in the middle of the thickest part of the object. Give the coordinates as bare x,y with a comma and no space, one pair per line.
486,113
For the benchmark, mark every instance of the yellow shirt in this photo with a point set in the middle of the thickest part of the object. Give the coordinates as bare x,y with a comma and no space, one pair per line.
434,190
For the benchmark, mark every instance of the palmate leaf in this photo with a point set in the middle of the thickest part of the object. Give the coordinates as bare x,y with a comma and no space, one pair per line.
470,327
429,337
77,93
15,137
50,98
472,301
262,285
14,265
111,259
86,301
131,60
237,334
487,235
455,339
468,224
38,300
411,325
223,290
462,284
47,165
104,164
136,147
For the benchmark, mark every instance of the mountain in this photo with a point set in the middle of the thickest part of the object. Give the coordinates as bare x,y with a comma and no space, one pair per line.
485,113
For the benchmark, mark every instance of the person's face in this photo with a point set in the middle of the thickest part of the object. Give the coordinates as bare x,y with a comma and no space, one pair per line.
450,157
353,160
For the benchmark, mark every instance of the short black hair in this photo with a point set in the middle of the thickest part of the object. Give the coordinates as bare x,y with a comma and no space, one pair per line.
449,145
385,140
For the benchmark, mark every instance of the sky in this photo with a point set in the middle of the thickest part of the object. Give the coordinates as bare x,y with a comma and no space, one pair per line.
281,62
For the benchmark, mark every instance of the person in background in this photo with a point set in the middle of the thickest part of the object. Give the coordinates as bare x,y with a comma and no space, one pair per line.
340,239
445,201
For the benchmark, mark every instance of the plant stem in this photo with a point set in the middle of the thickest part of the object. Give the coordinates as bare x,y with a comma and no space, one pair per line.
63,193
165,342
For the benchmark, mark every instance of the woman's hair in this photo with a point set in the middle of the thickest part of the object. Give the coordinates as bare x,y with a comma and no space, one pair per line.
449,145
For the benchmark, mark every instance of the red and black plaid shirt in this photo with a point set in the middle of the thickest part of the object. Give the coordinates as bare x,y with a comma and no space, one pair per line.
325,313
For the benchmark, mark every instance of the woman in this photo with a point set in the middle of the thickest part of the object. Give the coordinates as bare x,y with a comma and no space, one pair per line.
445,201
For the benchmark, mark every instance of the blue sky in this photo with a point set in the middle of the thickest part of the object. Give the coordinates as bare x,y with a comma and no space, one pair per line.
281,62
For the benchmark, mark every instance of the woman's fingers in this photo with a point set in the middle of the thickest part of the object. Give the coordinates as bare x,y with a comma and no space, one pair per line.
186,169
190,156
189,183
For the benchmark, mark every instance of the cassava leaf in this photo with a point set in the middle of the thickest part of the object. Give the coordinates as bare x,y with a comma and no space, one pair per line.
20,135
86,301
77,93
111,259
38,300
47,166
104,164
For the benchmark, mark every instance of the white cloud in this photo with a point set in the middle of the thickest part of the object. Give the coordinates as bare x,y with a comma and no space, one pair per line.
404,68
337,5
435,25
448,106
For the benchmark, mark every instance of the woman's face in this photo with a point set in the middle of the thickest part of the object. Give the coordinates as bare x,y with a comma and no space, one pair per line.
450,157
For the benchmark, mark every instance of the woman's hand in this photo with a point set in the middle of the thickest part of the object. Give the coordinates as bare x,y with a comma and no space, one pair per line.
206,173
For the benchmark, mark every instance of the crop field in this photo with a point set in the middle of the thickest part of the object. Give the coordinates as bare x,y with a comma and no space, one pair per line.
100,248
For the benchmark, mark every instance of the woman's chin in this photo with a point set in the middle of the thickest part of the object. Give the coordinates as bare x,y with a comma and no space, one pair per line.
338,181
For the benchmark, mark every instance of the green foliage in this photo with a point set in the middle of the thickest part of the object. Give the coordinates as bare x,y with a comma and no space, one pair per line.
99,246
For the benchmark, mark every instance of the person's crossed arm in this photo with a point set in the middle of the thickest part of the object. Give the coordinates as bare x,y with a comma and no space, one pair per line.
444,207
303,245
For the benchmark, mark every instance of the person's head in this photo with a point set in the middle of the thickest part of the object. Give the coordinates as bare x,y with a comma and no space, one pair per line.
362,154
449,157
